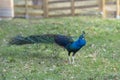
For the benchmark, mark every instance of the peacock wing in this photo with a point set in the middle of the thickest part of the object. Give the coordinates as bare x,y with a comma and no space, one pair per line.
63,40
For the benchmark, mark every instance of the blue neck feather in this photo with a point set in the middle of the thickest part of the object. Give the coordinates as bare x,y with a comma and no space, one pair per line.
79,43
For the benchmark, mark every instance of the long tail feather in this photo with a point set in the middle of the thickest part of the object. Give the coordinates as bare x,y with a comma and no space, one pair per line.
19,40
45,38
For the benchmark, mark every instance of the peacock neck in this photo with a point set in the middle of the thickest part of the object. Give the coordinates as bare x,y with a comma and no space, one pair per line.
80,42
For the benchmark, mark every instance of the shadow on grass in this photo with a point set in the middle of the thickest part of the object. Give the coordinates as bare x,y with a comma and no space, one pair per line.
13,53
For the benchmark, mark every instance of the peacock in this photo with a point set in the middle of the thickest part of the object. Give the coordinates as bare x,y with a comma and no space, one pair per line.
64,41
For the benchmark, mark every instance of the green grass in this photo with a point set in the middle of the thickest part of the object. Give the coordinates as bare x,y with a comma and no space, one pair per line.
98,60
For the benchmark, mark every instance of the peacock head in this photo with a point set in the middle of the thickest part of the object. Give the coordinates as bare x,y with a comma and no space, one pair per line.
82,36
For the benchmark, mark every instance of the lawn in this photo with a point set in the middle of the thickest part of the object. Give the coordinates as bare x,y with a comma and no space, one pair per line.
98,60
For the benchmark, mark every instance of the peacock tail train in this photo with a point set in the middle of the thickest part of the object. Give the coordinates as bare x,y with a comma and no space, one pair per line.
61,40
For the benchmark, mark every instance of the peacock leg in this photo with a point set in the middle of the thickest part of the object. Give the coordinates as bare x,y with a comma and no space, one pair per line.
73,58
69,57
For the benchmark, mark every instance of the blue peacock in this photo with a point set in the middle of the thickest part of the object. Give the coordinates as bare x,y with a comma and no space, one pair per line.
62,40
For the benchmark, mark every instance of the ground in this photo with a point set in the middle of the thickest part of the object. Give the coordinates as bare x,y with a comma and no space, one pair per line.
98,60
